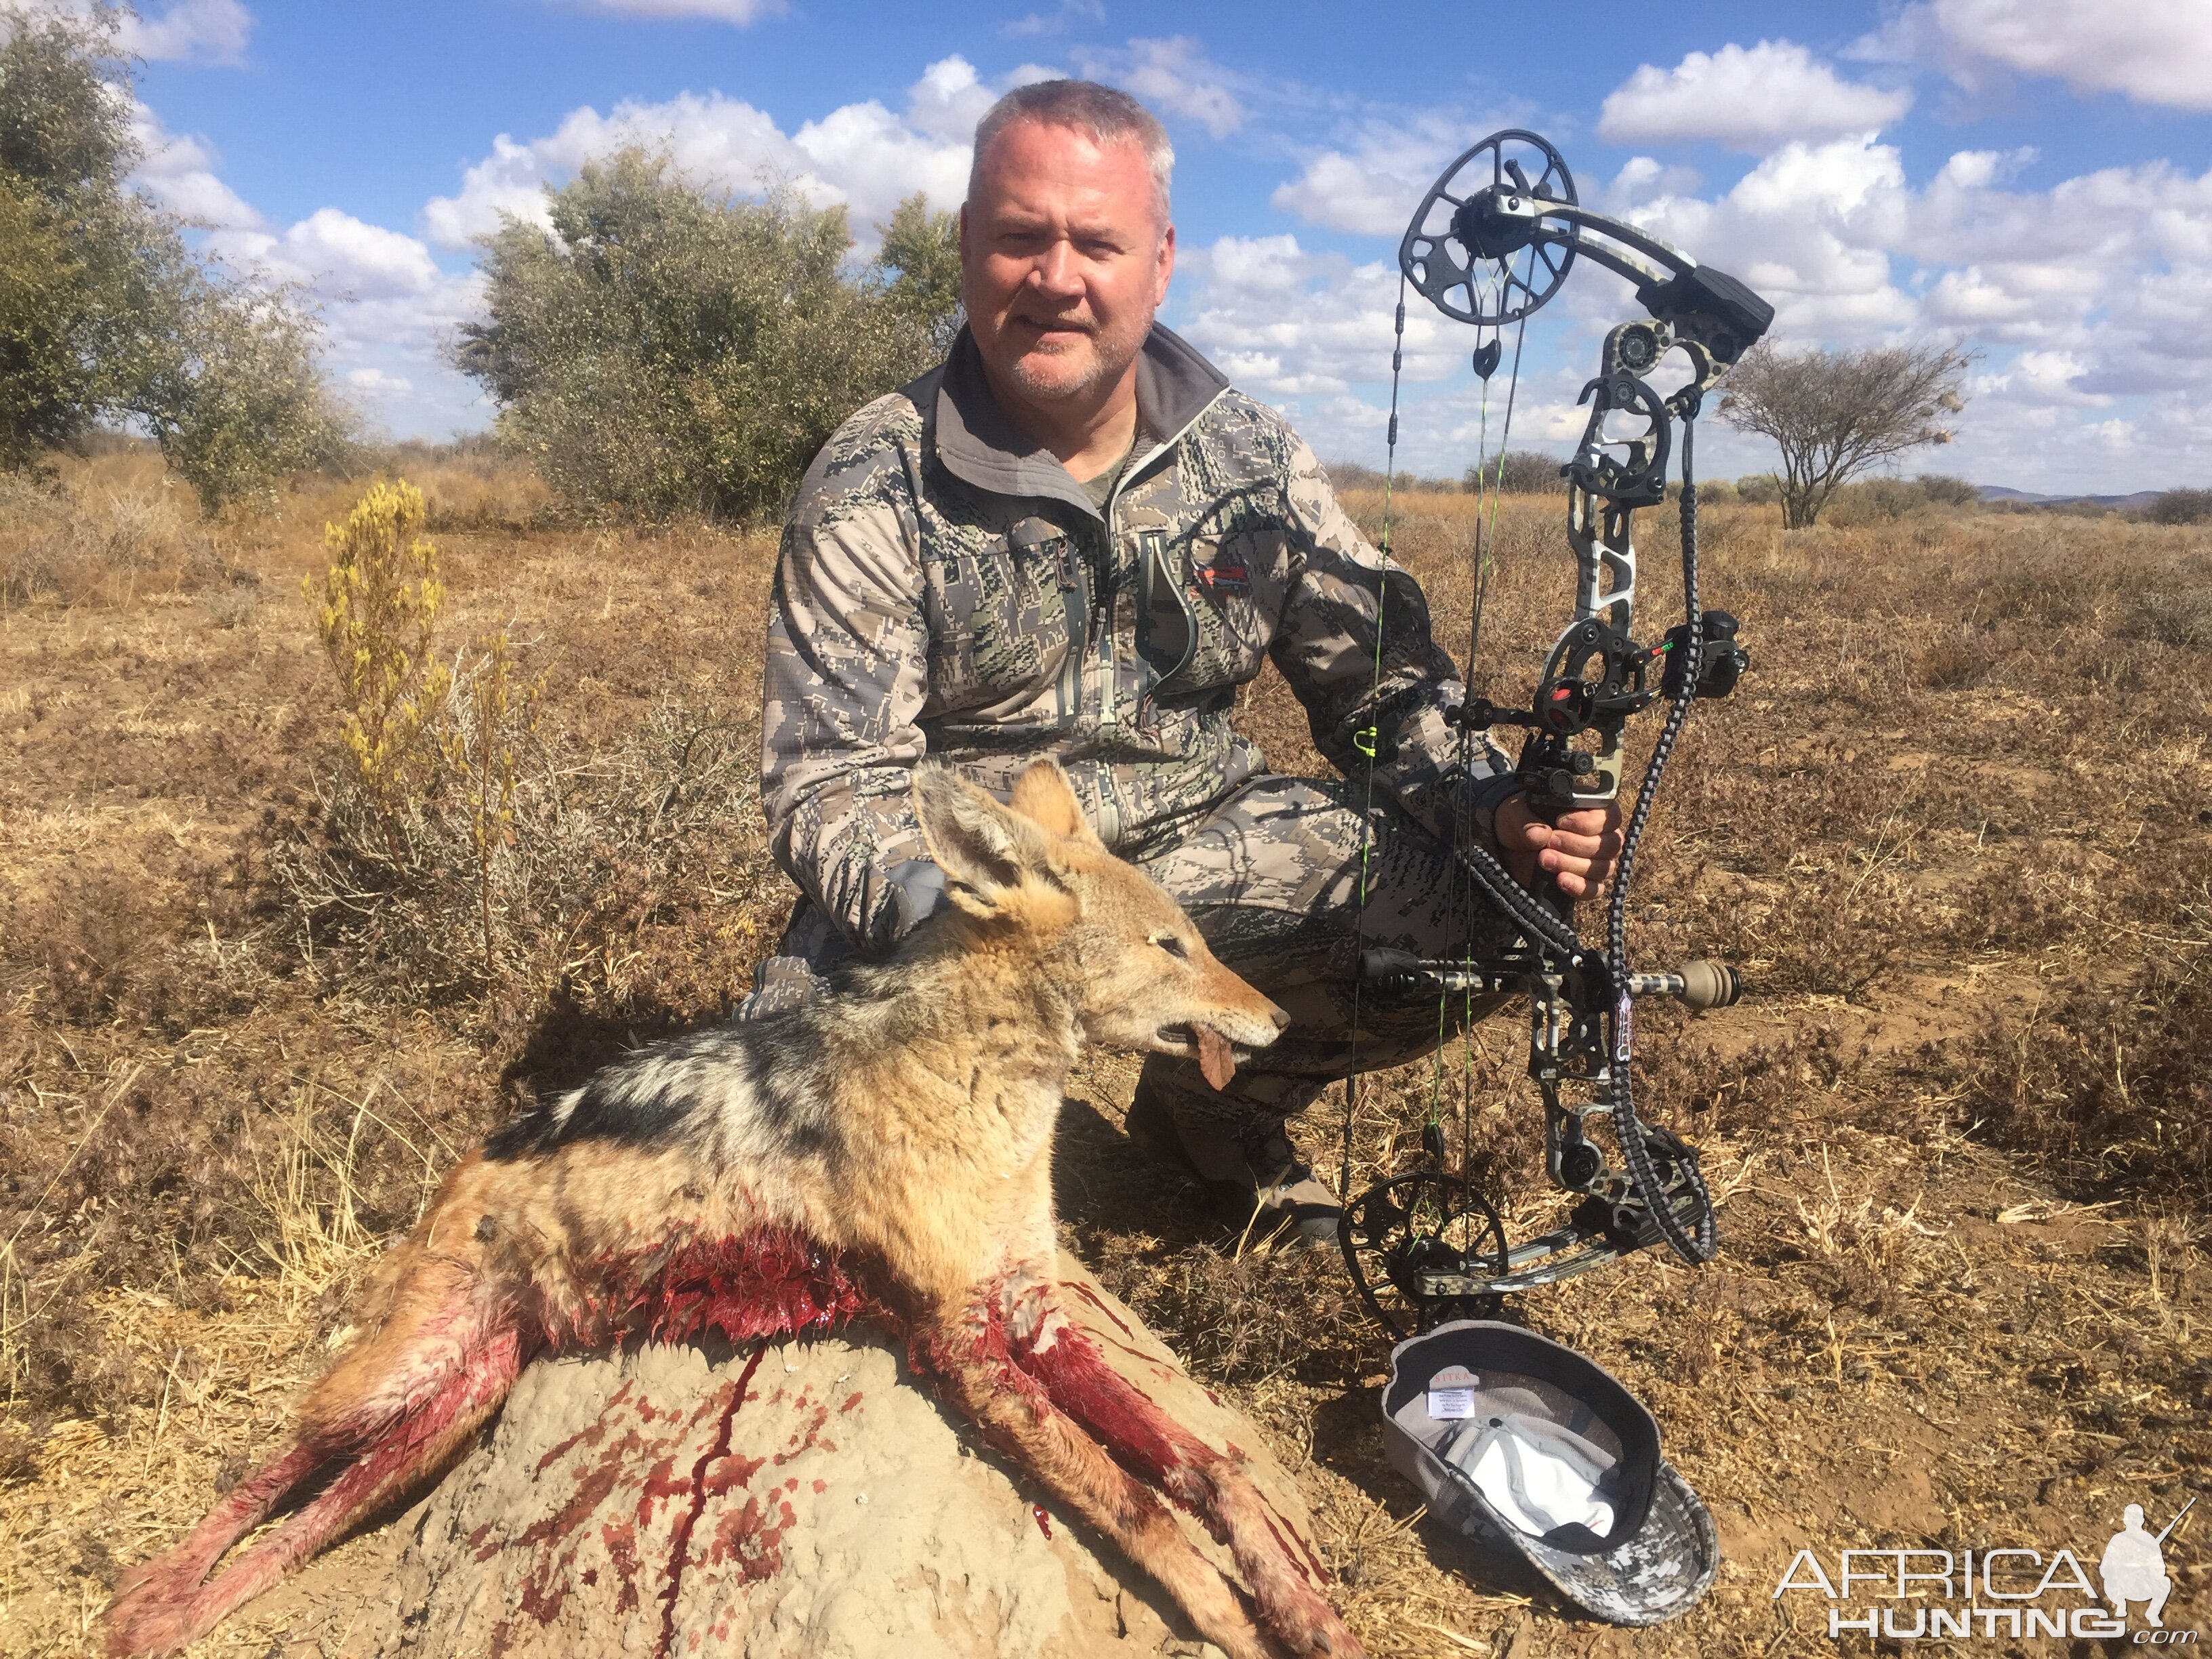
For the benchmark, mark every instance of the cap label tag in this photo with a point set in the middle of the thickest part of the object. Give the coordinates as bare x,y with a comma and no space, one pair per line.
1450,1405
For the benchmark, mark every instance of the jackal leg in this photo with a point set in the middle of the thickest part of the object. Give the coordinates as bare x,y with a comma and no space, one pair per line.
390,1413
965,1350
1215,1487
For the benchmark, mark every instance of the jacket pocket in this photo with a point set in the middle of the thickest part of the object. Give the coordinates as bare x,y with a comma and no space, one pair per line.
1226,580
998,628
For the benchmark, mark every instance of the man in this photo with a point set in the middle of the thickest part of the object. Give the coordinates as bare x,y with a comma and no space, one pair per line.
1074,539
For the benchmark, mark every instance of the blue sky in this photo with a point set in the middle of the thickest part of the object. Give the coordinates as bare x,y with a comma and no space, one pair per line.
2017,173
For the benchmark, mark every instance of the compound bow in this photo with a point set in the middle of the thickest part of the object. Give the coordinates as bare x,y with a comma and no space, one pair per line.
1430,1237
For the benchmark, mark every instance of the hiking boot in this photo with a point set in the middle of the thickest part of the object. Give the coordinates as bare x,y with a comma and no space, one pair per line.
1259,1182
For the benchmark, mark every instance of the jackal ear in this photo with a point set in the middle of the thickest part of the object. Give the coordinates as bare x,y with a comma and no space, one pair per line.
985,851
1043,795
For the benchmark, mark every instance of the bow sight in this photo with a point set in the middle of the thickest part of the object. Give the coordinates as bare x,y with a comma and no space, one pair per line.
1491,243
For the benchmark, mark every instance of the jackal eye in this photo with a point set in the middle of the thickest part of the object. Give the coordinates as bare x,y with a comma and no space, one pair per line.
1173,947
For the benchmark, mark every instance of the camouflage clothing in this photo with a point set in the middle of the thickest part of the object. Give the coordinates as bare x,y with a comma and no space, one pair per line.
946,589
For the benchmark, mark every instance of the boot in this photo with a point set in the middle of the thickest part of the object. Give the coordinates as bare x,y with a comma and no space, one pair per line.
1255,1174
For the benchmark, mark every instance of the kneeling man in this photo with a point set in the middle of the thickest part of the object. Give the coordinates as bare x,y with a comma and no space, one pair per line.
1074,539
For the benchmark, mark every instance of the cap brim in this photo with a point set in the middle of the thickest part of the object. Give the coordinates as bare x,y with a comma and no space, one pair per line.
1659,1574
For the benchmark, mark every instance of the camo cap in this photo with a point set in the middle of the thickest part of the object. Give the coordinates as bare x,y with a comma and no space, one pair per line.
1525,1446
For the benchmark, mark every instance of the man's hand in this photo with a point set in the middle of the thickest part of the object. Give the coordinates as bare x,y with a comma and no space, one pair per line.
1579,851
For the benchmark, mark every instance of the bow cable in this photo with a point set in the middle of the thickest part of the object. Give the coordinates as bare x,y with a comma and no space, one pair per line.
1365,740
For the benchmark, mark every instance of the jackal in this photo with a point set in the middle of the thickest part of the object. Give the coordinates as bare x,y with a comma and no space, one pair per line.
882,1153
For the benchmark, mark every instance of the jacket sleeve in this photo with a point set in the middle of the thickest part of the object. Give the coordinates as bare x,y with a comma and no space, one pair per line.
1354,641
845,677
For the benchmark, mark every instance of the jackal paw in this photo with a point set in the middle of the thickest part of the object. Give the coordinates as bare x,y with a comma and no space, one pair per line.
1304,1623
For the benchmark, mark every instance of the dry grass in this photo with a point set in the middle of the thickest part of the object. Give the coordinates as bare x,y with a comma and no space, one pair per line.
1954,826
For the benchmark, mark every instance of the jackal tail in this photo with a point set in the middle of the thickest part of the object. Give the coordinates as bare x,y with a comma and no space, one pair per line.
390,1413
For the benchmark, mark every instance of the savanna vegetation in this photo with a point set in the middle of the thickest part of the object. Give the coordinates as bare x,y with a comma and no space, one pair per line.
281,931
354,795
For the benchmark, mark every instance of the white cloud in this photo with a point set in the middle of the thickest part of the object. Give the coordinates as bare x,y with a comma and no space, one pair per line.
1810,228
184,31
2156,52
861,155
377,383
1176,78
178,173
341,257
1371,184
1751,99
1068,14
740,12
189,31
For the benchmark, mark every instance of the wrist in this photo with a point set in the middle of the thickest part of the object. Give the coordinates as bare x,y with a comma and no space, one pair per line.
1479,806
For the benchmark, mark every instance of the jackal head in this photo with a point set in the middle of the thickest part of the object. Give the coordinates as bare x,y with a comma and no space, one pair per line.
1033,872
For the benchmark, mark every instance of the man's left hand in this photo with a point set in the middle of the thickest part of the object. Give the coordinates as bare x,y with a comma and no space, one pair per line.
1578,851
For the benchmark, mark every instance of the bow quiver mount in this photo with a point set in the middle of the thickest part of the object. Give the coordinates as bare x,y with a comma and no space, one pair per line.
1492,241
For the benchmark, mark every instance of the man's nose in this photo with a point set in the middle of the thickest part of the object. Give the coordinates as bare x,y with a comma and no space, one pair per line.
1055,272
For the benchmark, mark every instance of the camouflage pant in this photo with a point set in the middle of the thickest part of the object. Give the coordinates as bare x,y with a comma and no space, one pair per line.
1270,876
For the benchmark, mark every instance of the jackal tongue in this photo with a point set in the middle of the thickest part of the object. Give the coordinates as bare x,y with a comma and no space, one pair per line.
1214,1058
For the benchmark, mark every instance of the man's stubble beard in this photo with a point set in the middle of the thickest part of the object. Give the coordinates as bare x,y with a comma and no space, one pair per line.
1110,355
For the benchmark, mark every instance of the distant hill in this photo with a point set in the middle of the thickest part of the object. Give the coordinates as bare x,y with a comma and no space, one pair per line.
2135,502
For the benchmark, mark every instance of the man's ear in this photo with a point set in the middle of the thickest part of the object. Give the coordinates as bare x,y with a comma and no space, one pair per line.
1043,795
985,851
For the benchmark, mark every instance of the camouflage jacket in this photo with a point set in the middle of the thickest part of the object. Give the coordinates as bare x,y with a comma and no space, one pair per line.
946,589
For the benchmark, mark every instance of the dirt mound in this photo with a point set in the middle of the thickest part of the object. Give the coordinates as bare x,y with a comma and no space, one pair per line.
805,1498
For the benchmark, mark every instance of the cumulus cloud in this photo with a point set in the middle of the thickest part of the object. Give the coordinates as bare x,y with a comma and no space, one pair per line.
1752,99
740,12
180,173
377,383
1368,184
189,31
1282,321
339,256
2156,52
184,31
2087,291
859,155
1176,78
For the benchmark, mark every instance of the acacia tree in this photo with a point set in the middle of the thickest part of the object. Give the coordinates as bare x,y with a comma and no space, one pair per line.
106,315
1835,414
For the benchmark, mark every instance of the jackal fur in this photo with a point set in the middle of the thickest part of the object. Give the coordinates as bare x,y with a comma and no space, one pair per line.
885,1152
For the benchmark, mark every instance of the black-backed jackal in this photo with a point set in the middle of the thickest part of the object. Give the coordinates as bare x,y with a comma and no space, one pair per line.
884,1152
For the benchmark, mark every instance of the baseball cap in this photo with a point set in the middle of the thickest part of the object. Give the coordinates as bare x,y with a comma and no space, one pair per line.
1524,1445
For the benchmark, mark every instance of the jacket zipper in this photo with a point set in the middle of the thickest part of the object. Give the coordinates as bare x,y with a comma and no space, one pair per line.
1110,810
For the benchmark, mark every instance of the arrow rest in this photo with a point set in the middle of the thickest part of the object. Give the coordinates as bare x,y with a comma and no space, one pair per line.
1490,243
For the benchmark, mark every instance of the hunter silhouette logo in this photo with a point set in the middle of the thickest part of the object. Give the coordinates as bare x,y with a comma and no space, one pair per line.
2134,1567
1906,1595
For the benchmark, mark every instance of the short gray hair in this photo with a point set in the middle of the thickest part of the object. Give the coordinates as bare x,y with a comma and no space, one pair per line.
1105,114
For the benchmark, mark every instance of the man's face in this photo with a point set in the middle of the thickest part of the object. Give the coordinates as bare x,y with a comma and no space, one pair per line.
1064,259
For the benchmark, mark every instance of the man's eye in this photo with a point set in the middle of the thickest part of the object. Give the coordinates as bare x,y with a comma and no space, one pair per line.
1173,947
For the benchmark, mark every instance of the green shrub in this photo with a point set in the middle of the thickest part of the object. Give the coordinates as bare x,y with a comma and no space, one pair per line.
106,317
660,350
